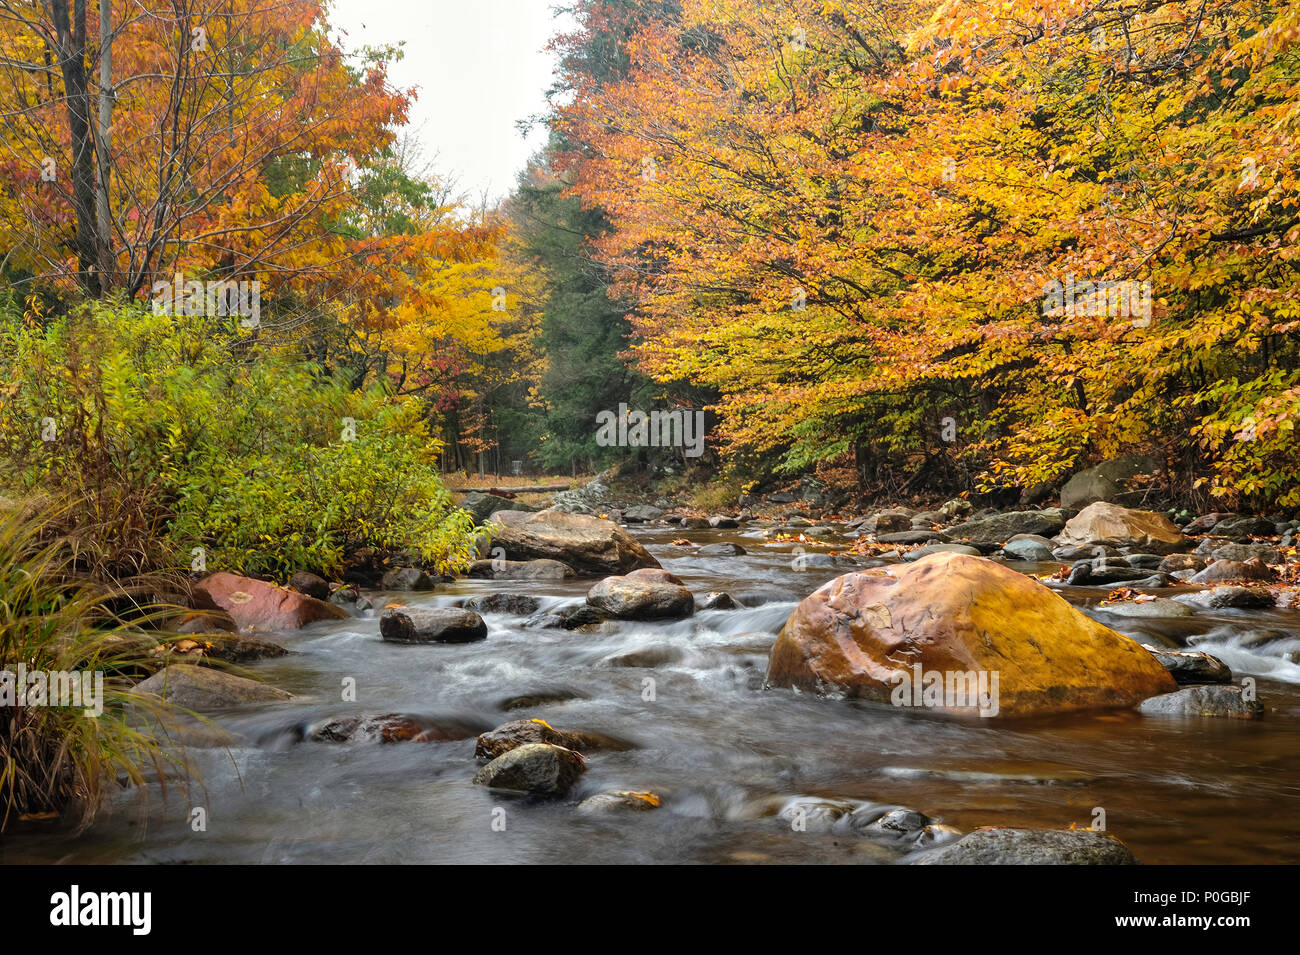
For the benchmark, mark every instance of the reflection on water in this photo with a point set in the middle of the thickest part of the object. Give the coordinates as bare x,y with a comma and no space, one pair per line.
724,754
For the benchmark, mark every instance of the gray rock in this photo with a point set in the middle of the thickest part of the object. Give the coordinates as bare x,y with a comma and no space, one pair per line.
1191,667
912,537
406,578
629,598
482,505
1246,527
541,569
642,513
202,688
431,625
1110,481
1031,847
520,605
620,800
1029,547
1159,609
721,550
1244,552
1220,598
1225,701
1222,570
1000,528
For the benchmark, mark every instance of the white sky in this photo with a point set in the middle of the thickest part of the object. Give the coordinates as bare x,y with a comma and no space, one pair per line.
480,66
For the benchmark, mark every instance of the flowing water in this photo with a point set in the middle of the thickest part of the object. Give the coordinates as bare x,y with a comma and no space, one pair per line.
724,754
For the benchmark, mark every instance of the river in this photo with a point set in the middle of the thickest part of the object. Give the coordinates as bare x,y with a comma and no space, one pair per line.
722,753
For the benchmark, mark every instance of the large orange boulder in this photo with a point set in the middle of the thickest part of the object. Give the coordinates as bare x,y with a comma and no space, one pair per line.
944,630
1110,524
258,604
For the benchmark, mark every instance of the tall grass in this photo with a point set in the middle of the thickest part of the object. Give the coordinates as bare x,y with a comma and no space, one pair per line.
57,761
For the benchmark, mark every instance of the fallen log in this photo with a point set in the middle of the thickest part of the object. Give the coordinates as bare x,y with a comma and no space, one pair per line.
522,489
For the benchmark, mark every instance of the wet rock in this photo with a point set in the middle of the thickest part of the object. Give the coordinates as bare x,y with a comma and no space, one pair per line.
483,505
1110,481
695,523
518,733
619,800
227,647
804,562
1176,562
642,513
648,657
202,688
519,605
1224,701
630,598
655,575
1032,547
346,596
431,625
1144,561
540,769
388,728
1224,570
587,544
995,846
520,570
308,583
1220,598
1191,667
899,822
1100,572
1000,528
257,603
526,701
406,578
723,522
1110,524
719,600
721,550
945,548
937,835
954,613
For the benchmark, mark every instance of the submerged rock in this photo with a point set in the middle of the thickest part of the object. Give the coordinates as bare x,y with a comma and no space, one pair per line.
721,550
954,614
619,800
996,846
540,769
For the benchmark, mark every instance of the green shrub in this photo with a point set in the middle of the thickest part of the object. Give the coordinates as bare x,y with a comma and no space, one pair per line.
178,432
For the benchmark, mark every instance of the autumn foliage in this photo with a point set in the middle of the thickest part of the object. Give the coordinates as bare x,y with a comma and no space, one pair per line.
846,219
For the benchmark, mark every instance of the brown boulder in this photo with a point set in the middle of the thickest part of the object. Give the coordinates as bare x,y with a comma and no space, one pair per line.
257,604
864,634
590,545
1103,523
